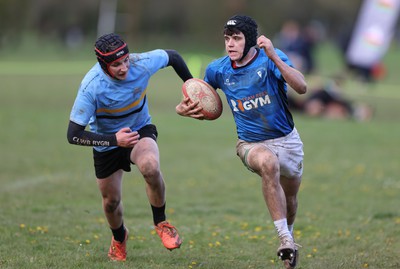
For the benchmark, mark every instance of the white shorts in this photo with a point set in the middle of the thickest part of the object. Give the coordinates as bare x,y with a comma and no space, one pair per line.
288,149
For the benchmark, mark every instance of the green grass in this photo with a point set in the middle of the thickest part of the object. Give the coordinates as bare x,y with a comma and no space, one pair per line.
50,208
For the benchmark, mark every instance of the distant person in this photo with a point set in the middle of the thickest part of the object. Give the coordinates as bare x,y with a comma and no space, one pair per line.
313,33
112,100
298,44
268,143
328,101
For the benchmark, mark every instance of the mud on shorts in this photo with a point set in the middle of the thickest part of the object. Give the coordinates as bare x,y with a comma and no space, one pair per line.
288,149
108,162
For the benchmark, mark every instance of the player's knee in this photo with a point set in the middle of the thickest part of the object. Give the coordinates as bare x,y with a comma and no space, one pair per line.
150,168
270,166
111,205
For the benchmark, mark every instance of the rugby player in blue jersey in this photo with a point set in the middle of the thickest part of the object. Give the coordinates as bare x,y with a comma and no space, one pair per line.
112,100
255,82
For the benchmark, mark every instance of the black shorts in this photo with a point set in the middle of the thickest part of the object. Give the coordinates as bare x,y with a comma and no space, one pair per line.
108,162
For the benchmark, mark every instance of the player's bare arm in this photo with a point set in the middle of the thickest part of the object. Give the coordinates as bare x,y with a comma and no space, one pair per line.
293,77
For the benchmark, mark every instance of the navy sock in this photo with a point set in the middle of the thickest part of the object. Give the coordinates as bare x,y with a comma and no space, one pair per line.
119,234
158,214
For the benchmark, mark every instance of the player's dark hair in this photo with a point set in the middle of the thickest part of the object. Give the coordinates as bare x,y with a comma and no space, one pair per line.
247,26
231,31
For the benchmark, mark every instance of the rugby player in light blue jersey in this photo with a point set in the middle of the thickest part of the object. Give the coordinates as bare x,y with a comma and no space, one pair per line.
254,81
112,100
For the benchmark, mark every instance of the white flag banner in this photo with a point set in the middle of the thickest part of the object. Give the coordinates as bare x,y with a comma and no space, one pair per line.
373,32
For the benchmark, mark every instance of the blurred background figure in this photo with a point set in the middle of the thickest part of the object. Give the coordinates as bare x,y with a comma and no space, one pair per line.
328,101
299,44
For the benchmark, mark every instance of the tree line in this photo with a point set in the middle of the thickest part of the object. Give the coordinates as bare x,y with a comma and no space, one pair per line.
148,20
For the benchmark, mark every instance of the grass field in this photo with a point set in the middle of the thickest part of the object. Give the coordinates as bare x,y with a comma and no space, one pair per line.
50,208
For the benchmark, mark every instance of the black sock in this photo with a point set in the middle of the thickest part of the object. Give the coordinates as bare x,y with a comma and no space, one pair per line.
119,234
158,214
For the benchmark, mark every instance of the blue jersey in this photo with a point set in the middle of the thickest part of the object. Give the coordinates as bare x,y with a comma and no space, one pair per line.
108,105
256,94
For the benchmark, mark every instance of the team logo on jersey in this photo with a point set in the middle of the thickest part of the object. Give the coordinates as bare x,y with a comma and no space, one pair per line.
250,102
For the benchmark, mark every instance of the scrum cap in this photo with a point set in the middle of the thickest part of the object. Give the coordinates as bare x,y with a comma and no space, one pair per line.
110,48
247,26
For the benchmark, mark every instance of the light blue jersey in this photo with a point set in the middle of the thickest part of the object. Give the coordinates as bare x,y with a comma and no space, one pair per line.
256,94
108,105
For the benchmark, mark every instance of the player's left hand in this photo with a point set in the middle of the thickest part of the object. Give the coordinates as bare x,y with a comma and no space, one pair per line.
265,43
188,109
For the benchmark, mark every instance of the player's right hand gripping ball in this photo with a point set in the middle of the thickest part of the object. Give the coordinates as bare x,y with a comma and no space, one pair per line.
199,90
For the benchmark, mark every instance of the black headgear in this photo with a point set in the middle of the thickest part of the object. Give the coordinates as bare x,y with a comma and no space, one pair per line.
110,48
248,27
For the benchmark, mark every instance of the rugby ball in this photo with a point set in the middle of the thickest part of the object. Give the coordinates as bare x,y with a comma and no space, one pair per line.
199,90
